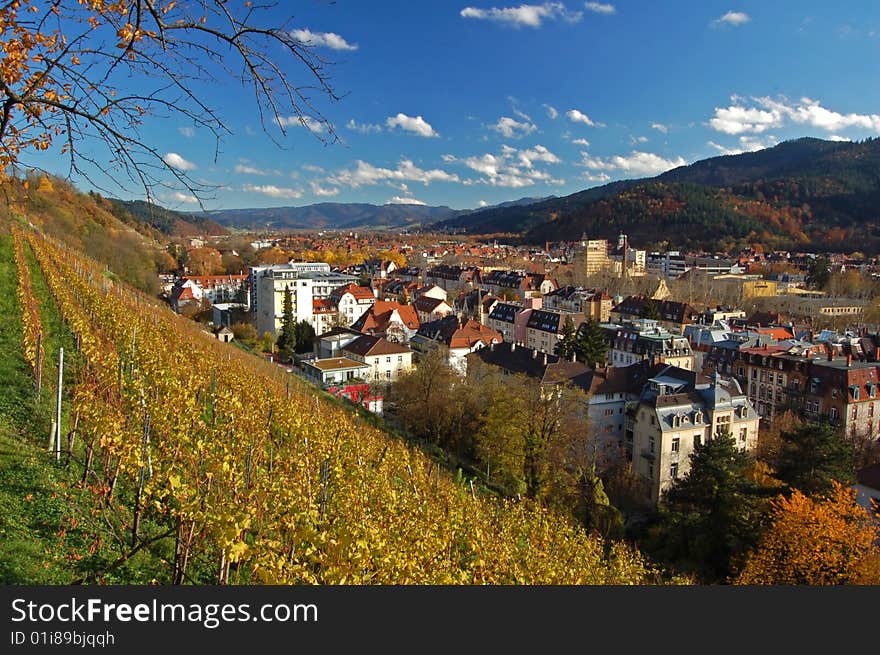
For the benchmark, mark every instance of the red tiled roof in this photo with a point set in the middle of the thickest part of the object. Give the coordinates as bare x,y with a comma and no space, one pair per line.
322,306
360,293
778,333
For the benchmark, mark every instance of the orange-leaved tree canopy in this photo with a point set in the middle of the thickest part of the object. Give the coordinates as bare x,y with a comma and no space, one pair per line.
822,540
75,72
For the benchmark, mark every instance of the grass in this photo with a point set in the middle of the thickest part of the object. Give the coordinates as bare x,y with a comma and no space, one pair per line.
52,531
33,512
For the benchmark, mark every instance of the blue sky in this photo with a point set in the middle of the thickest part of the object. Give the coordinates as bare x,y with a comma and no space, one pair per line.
471,103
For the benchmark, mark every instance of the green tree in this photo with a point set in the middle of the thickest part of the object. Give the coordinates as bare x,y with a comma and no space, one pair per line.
304,337
650,311
287,339
712,516
812,456
567,344
819,273
591,346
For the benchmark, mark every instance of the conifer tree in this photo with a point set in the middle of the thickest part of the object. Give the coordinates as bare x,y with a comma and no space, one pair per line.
566,346
812,456
590,344
287,339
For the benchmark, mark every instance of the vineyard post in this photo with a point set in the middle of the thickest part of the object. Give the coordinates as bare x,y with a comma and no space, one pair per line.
58,406
38,381
140,488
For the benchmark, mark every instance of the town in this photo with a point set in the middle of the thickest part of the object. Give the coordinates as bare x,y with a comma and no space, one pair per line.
668,348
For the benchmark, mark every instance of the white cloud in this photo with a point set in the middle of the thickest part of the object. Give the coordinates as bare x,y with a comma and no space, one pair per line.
538,153
551,112
273,191
636,163
406,171
247,169
176,161
732,18
581,142
736,120
416,125
577,116
660,127
399,200
312,124
512,168
325,39
512,128
600,8
746,144
363,128
482,203
597,177
524,15
323,192
770,113
837,137
188,132
184,197
638,139
312,168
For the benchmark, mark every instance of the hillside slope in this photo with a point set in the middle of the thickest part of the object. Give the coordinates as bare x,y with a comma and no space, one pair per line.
87,223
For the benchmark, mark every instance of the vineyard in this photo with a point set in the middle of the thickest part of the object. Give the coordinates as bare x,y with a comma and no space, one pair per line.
215,467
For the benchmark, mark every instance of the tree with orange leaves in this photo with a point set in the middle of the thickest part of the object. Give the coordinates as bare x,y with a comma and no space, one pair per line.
73,72
830,540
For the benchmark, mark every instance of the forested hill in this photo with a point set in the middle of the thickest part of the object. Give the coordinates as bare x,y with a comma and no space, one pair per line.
130,249
167,221
807,193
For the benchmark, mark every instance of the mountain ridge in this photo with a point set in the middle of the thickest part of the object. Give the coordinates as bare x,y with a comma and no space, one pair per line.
801,193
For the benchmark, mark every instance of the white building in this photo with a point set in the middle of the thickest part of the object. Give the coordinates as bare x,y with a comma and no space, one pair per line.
386,360
308,282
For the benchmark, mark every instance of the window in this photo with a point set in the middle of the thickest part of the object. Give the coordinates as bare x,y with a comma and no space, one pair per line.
651,445
698,418
833,413
400,358
743,434
388,375
387,360
698,438
675,444
609,412
834,393
673,470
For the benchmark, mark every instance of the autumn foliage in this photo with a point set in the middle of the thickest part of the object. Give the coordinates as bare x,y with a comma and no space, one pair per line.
828,540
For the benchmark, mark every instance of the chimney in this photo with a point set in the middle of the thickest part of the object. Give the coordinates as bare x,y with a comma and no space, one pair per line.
545,359
535,354
849,360
877,353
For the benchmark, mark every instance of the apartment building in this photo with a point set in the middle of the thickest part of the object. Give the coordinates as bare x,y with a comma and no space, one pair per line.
678,410
645,339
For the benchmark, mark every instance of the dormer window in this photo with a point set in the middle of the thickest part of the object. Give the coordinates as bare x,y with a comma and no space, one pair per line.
698,418
855,392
